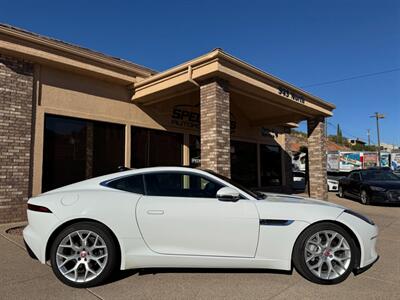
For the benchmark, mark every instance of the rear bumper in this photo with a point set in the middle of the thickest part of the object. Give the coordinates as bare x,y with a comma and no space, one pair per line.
37,233
29,250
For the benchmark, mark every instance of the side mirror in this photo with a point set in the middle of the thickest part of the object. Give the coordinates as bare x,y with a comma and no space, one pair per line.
228,194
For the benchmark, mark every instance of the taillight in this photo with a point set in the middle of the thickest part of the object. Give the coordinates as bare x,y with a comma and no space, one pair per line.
38,208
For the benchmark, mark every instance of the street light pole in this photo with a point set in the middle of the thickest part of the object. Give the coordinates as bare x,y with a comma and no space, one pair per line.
378,116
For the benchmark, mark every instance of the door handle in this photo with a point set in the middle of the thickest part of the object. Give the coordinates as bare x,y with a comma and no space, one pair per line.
155,212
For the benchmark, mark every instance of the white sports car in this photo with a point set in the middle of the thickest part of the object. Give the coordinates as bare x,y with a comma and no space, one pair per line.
182,217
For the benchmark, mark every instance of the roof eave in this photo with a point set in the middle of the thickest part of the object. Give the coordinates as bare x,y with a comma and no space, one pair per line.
79,52
221,56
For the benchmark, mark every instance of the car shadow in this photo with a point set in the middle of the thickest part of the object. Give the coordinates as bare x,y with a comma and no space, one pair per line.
120,275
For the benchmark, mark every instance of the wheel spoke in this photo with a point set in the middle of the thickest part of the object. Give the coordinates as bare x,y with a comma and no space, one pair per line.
320,270
329,264
86,273
95,241
340,263
332,238
310,258
99,247
71,270
75,274
67,259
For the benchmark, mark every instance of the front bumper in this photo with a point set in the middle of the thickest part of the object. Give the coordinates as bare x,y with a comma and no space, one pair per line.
333,187
366,235
360,270
391,196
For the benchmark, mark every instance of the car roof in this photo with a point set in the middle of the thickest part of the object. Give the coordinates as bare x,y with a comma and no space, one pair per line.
151,170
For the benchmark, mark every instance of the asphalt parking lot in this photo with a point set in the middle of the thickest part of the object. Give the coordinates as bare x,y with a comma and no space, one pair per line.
24,278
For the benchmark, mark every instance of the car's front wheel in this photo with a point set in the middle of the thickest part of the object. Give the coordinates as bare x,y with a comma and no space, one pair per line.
364,197
83,254
325,253
341,192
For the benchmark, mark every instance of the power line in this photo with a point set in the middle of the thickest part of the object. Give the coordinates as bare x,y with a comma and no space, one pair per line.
351,78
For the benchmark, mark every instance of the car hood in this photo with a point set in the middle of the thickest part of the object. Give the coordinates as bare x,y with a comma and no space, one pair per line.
395,184
288,207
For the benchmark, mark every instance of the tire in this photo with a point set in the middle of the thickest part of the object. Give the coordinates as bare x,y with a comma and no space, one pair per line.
321,263
341,192
364,198
89,248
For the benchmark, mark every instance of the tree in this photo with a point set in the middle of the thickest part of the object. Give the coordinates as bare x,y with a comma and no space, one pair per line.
339,135
358,147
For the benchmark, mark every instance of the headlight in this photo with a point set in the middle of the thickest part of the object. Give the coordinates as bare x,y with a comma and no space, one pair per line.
360,216
377,188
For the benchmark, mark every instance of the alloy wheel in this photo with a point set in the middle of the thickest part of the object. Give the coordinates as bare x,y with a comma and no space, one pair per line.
81,256
340,192
327,254
364,197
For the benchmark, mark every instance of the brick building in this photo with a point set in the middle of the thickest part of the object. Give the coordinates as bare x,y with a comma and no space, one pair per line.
69,113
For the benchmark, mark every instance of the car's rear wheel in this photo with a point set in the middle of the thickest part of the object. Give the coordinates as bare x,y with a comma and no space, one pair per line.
325,253
364,197
83,254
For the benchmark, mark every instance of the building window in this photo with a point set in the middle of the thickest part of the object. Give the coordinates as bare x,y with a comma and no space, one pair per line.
271,165
77,149
244,163
150,148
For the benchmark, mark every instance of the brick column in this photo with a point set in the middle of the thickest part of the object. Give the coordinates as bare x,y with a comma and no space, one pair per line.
16,111
215,127
317,158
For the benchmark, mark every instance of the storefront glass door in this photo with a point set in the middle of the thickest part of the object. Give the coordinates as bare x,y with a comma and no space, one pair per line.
244,163
271,165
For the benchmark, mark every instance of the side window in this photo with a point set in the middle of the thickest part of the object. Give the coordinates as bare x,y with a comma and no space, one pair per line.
176,184
133,184
355,176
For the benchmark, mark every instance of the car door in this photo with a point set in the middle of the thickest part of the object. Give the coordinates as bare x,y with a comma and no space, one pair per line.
181,215
355,183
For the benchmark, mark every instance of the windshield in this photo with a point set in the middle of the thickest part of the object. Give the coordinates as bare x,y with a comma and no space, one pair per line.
257,195
378,175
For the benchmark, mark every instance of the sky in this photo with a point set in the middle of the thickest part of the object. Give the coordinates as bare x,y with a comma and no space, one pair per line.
302,42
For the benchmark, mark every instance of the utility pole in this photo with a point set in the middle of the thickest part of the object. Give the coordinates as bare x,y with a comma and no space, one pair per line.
378,116
369,137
